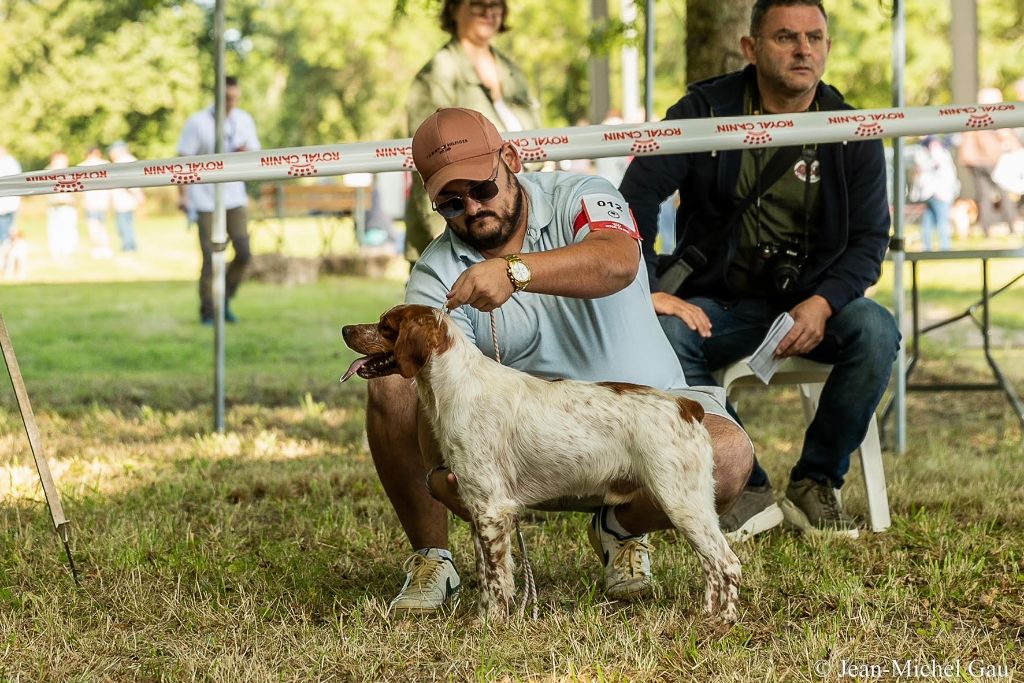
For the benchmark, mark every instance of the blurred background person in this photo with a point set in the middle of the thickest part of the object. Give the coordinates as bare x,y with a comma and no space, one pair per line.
386,206
61,215
467,72
97,205
934,183
14,255
979,153
199,137
125,200
8,205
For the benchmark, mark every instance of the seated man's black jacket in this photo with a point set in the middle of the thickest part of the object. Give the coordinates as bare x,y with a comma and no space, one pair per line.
852,228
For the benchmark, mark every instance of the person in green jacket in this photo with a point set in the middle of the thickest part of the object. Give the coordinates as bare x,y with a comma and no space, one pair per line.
467,72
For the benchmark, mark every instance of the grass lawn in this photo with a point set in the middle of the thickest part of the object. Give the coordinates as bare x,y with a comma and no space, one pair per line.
269,552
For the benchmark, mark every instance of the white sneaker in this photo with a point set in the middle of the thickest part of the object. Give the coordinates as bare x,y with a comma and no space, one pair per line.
627,562
431,580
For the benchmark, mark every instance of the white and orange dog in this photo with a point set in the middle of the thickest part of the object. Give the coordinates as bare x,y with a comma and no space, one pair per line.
515,440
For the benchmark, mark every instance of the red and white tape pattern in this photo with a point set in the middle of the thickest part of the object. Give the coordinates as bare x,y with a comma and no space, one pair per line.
590,142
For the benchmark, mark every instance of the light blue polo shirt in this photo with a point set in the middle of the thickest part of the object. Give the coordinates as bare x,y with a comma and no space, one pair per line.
615,338
198,137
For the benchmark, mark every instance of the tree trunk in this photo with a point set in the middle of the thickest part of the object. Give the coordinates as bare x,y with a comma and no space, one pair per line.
713,32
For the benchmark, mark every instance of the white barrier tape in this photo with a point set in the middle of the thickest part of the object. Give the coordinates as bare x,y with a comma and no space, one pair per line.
590,142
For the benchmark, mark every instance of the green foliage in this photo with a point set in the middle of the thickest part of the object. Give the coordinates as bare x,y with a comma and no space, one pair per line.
76,73
1002,24
79,72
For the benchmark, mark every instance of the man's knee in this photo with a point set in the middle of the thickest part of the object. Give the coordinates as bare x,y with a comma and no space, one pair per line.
870,330
391,395
243,249
391,405
685,342
734,459
242,256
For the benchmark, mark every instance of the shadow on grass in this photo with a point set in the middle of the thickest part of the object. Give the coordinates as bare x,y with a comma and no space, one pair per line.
203,546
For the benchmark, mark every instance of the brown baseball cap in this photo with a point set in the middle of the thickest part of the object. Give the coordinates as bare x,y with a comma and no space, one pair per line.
454,144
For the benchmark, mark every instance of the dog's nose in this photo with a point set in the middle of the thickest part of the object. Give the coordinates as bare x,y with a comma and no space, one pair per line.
346,330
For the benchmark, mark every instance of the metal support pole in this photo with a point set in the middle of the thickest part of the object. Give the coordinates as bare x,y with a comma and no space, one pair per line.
219,233
649,36
899,59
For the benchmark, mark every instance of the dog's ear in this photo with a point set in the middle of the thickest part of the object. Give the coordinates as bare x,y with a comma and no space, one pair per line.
418,337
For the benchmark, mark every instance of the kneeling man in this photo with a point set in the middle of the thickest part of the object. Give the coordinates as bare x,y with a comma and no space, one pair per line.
554,260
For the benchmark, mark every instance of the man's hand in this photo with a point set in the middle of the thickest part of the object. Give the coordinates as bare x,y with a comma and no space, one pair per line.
485,286
808,330
694,316
183,202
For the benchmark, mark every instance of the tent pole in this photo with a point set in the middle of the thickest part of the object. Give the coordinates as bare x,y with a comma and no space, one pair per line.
219,236
649,36
898,245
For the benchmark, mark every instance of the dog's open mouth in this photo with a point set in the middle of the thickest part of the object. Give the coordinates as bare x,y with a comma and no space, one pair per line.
374,365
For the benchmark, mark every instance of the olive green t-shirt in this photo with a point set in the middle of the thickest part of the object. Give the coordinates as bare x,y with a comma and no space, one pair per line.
778,220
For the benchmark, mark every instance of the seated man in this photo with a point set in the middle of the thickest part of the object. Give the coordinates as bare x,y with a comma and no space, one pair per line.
554,260
772,230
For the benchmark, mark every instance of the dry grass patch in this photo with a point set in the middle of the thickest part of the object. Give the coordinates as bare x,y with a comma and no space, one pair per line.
269,553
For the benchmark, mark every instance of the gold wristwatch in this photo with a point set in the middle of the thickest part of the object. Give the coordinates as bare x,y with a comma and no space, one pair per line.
518,272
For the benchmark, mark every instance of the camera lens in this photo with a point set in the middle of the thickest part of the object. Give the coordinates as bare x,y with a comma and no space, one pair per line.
785,274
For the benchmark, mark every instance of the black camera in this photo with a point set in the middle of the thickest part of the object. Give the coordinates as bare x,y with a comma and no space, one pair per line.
780,264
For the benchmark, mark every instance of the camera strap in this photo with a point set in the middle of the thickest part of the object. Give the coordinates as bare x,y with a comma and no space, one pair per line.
696,255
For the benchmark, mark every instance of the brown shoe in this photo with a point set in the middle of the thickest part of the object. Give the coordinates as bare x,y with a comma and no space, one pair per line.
754,512
814,508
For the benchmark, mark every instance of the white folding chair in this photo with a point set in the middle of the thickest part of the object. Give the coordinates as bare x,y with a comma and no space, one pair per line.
811,377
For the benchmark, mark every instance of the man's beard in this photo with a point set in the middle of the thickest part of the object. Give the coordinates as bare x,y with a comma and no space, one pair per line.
504,233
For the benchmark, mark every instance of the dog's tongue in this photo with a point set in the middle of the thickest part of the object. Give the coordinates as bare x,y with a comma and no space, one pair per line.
354,368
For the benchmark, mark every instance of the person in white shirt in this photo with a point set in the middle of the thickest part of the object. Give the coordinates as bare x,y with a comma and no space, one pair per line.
125,200
97,204
61,216
197,137
934,184
8,205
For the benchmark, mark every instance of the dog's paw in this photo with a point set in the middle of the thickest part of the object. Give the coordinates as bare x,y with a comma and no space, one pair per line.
494,611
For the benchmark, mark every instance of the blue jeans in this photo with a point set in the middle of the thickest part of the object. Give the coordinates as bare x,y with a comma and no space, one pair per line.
6,221
860,342
126,229
935,217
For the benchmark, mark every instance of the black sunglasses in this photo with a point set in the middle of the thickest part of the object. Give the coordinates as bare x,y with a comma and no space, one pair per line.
483,7
483,191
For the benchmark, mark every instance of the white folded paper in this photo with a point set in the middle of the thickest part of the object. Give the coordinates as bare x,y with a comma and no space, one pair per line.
763,362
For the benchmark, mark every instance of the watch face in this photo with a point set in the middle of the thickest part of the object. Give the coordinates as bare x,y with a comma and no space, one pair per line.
520,271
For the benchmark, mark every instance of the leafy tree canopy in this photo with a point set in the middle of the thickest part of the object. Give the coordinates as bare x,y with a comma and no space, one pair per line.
79,72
